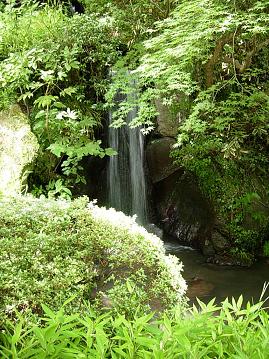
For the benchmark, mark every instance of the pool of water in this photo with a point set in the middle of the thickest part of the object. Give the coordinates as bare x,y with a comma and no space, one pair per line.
207,281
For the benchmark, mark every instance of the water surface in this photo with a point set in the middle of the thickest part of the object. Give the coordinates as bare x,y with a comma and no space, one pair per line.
220,281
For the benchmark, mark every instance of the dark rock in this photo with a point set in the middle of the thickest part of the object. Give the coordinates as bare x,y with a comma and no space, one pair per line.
220,242
183,210
94,171
152,228
160,164
208,249
227,260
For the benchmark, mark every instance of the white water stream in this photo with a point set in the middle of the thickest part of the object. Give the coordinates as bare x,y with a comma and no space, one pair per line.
126,174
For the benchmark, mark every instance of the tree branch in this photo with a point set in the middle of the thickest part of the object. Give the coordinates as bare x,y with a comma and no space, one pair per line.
216,56
248,60
209,67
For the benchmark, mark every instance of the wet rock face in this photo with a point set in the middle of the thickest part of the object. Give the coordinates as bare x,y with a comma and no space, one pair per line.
18,148
182,209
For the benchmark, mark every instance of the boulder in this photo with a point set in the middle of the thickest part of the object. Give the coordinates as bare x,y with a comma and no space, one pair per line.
160,164
18,148
167,121
208,248
230,260
220,242
152,228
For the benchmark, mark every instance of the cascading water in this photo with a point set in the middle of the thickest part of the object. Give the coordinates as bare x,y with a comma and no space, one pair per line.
126,175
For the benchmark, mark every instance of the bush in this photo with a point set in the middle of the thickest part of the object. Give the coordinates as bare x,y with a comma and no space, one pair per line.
53,250
234,333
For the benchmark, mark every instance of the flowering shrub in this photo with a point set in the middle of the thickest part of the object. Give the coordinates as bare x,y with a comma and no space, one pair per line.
53,250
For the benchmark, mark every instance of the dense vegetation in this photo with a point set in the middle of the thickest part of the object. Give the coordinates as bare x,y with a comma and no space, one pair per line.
80,259
67,254
234,333
208,62
56,67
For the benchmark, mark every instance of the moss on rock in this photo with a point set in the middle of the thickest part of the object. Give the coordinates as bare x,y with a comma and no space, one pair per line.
18,148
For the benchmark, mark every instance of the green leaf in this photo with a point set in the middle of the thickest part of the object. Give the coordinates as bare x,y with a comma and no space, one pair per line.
26,95
48,311
45,101
59,105
110,152
57,149
75,64
69,91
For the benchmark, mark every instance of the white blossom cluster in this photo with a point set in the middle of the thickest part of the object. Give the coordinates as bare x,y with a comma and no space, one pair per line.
171,263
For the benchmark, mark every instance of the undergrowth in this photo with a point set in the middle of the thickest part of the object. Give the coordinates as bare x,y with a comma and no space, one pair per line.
208,331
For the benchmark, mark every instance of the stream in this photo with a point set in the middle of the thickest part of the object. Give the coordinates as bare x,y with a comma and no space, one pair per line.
207,281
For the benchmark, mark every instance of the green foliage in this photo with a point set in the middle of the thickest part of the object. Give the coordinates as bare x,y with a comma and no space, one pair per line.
56,67
209,62
206,59
230,330
132,19
52,250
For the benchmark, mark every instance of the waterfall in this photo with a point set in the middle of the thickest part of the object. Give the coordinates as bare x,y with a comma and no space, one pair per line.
126,174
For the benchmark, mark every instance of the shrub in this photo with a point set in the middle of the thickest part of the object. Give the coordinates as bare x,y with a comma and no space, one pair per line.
52,250
236,332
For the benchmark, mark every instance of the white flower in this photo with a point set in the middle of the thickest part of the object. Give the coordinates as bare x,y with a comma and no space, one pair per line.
68,114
